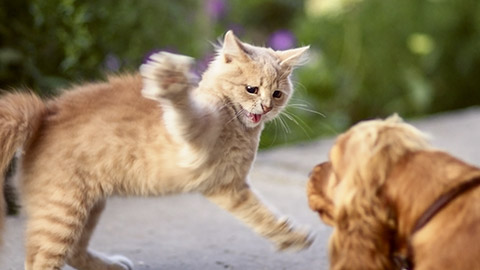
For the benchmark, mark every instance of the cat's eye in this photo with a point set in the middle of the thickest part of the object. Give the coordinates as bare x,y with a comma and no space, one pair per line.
277,94
251,89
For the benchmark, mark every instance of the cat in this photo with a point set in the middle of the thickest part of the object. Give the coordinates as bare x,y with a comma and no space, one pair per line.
153,133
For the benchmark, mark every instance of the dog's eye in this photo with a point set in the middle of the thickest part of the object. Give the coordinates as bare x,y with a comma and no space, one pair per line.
251,89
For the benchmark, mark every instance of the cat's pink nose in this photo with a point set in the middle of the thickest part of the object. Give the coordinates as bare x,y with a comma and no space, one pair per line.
266,108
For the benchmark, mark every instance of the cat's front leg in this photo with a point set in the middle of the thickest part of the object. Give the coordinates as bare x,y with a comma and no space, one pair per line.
246,206
168,79
167,76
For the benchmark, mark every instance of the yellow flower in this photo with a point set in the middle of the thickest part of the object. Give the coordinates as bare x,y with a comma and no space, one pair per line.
320,8
420,43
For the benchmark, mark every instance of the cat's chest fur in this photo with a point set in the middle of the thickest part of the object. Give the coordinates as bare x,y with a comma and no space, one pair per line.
226,159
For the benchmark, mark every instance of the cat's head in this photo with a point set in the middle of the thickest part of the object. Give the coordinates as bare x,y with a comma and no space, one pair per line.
255,80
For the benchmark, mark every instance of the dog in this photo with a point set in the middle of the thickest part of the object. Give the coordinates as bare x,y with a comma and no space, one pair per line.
395,202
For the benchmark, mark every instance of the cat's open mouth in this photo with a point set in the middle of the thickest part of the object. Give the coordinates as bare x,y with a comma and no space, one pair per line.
255,118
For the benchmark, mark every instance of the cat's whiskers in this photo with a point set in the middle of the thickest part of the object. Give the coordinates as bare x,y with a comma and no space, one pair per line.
298,86
305,107
298,121
289,116
237,114
226,104
276,128
283,123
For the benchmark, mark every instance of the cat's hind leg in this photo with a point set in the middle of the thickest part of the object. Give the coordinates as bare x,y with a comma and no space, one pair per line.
56,216
82,258
61,219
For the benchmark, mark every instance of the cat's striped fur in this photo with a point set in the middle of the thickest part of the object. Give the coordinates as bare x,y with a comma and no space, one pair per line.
149,134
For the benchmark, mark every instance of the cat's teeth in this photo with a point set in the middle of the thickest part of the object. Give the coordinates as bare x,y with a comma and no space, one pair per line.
255,117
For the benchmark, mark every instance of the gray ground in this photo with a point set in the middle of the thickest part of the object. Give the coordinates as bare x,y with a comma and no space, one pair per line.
187,232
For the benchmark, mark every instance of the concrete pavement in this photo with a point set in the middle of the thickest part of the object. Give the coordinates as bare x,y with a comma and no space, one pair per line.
187,232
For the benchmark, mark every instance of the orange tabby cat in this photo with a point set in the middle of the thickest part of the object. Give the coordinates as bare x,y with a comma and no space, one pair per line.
155,133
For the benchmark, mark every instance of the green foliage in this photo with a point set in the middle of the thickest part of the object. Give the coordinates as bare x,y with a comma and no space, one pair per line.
377,57
48,44
369,58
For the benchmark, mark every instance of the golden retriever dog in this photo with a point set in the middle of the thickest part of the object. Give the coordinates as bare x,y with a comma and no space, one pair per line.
395,202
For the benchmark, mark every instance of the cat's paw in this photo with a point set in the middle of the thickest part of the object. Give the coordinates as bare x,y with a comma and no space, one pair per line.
99,261
166,75
290,238
295,241
120,262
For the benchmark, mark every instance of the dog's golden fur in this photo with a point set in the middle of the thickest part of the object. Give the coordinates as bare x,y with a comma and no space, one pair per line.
381,177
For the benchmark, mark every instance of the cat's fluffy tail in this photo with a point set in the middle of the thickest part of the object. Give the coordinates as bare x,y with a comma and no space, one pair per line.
20,117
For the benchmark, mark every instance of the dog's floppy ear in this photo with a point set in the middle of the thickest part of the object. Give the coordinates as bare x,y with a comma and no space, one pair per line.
362,236
364,221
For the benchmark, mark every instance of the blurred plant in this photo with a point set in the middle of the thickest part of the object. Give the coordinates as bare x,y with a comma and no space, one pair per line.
318,8
377,57
421,44
49,44
216,9
112,63
282,40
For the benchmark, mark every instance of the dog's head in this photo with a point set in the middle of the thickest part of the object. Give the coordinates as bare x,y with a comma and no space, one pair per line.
319,197
347,191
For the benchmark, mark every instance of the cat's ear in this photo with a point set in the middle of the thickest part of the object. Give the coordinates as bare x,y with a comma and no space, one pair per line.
293,57
233,48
